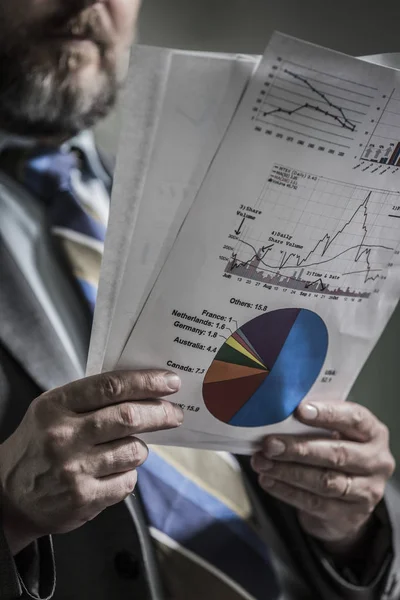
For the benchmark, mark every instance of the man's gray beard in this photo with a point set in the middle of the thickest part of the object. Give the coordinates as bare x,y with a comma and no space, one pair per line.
43,100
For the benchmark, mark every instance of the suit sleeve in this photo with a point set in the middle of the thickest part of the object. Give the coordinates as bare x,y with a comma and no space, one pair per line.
30,574
305,571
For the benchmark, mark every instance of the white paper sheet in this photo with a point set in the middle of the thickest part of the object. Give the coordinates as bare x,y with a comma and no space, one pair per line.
200,99
296,225
140,112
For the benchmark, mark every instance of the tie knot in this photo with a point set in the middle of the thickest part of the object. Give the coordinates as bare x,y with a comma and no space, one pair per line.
49,172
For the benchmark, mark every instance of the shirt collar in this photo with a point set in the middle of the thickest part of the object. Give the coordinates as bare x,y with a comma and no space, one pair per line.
11,141
84,141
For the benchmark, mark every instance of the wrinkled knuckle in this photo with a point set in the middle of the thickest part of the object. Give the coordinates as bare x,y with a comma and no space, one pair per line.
330,413
111,386
329,483
107,461
340,456
93,426
148,383
129,416
57,437
168,414
138,453
358,419
302,450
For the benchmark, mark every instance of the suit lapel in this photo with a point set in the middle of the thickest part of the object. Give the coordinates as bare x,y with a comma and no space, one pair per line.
42,324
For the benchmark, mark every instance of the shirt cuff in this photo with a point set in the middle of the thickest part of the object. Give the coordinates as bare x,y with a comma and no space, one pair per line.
370,564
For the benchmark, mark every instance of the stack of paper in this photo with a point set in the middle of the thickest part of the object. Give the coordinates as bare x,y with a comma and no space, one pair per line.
253,243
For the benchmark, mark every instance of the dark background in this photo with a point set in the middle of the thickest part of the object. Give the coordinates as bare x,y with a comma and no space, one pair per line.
351,26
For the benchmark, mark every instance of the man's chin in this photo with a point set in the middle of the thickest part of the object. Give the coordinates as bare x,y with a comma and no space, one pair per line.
64,105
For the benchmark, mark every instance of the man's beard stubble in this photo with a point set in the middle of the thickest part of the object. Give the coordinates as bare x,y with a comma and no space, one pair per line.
40,93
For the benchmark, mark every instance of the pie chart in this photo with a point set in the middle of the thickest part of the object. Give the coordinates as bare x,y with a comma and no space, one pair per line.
265,369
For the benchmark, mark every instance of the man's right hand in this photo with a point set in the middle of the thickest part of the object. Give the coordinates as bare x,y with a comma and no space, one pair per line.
73,454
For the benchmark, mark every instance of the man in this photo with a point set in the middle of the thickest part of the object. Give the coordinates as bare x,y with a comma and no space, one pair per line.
69,450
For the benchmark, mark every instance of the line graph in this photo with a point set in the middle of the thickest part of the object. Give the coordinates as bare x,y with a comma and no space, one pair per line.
311,108
323,236
339,116
383,145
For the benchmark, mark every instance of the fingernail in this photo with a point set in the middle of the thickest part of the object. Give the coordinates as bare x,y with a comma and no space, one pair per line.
179,414
172,382
275,448
309,412
267,482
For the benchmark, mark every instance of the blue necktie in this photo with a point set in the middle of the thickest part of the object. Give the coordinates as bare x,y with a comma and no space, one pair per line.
199,513
66,183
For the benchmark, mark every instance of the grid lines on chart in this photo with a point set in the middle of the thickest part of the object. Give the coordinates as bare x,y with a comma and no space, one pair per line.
311,108
327,230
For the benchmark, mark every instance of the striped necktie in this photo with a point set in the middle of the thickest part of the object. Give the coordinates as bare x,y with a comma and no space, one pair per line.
77,205
198,510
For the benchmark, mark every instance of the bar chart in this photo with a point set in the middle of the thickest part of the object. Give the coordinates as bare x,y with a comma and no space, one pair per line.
383,145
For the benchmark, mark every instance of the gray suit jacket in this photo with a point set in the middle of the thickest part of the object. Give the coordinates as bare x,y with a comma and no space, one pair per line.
44,335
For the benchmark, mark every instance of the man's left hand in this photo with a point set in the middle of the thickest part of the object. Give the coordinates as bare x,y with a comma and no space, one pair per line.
334,483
